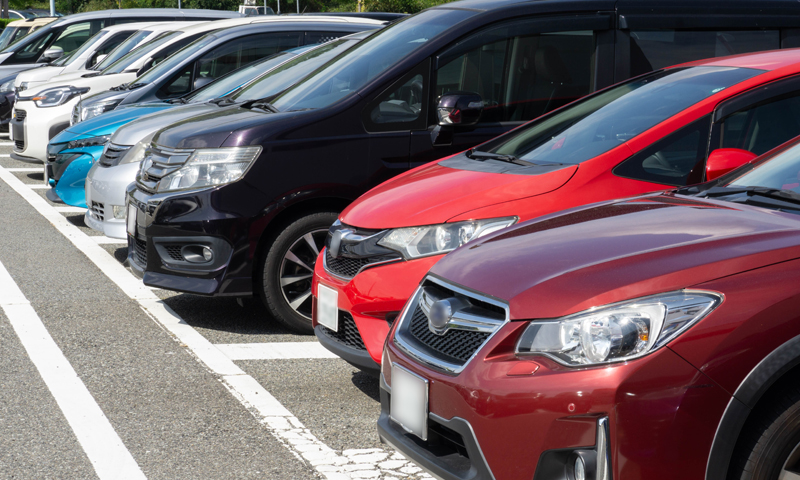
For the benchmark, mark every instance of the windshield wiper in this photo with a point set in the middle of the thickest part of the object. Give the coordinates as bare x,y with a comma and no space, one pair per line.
767,192
261,103
124,86
179,100
222,101
136,85
482,156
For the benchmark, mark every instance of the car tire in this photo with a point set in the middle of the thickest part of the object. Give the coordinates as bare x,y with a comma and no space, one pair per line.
288,267
769,448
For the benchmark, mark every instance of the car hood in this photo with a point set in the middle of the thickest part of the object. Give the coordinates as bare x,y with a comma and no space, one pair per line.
109,122
210,130
100,83
597,255
436,193
152,118
40,74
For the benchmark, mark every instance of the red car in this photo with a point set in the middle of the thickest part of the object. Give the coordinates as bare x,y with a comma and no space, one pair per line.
647,134
651,338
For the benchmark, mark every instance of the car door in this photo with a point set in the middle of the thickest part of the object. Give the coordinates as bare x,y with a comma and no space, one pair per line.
226,58
521,69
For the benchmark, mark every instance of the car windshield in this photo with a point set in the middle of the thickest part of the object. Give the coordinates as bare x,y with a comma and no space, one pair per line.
176,59
36,37
291,72
123,48
11,35
369,59
127,60
781,171
87,45
232,81
595,125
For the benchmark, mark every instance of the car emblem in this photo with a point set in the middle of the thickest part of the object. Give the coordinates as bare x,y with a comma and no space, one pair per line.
440,314
336,241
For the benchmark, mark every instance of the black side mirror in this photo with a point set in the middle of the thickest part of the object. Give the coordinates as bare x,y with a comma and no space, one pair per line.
459,108
201,82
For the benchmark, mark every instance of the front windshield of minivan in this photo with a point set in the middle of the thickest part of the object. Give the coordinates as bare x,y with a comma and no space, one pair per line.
92,42
780,172
175,59
126,61
35,36
369,59
11,34
123,49
292,71
597,124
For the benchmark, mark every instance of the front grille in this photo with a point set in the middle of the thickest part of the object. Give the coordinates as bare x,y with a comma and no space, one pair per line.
19,145
174,252
112,154
348,332
449,351
346,267
98,211
160,162
139,249
20,114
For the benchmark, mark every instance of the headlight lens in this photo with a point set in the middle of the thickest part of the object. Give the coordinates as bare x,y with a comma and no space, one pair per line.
618,332
7,86
88,142
414,242
210,167
138,152
96,109
53,97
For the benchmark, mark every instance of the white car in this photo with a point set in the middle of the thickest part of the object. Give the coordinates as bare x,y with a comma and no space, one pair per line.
42,111
90,54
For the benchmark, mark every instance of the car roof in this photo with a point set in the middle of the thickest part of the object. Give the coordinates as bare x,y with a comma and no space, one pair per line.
133,26
150,12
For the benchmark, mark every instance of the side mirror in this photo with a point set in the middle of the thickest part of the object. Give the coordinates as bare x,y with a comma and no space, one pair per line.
51,54
201,82
99,59
459,108
723,160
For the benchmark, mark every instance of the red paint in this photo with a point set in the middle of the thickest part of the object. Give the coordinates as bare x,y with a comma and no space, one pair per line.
723,160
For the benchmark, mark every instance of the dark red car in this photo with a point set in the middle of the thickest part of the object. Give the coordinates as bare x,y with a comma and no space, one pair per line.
674,127
655,337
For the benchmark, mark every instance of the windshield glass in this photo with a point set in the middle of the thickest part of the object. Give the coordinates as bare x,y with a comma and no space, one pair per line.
123,48
593,126
780,172
283,77
11,35
143,51
232,81
369,59
35,37
87,45
174,60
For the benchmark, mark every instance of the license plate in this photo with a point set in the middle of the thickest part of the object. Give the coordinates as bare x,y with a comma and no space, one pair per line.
409,401
47,177
328,307
131,219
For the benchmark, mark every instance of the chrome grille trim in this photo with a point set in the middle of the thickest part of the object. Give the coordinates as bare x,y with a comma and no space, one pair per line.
410,344
97,211
158,163
112,154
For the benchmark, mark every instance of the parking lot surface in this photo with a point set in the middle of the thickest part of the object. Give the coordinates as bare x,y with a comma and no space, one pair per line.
105,378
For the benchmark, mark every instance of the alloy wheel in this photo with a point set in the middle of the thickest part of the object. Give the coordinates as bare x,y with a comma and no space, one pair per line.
297,270
791,467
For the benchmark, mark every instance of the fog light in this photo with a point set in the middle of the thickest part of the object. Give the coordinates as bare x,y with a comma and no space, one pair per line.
207,254
580,469
119,211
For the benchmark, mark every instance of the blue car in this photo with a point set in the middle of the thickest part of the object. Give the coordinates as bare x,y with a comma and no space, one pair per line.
71,153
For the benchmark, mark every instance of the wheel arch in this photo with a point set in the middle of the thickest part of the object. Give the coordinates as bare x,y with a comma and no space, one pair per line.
781,363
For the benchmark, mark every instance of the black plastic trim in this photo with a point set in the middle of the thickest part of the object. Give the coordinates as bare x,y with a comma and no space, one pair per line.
357,358
17,156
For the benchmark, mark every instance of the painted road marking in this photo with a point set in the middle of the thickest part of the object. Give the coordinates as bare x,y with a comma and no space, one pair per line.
106,452
279,421
24,169
103,240
69,209
274,351
6,144
37,186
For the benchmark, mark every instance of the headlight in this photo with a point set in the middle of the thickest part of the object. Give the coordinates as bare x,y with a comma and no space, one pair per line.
53,97
415,242
88,142
210,167
138,152
618,332
22,86
96,109
7,86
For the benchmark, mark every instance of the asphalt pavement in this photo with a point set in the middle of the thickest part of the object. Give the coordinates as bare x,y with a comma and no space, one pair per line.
101,377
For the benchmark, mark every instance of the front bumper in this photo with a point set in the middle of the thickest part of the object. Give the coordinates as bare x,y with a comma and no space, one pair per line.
371,303
514,424
105,188
6,105
169,224
32,133
67,171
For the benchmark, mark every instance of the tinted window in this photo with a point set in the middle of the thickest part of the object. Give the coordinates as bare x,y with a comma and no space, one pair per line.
402,105
75,35
781,172
126,46
141,52
369,59
11,35
655,49
522,77
108,46
322,37
764,126
601,122
678,159
67,59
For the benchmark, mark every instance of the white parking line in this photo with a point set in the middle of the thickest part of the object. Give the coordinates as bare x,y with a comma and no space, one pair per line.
106,452
24,169
279,421
70,209
103,240
274,351
37,186
6,144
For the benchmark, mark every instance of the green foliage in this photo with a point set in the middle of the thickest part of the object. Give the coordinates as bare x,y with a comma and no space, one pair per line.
5,21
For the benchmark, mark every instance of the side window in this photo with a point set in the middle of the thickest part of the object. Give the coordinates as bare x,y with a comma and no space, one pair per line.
679,159
763,126
75,35
654,49
109,45
322,37
402,105
159,56
521,77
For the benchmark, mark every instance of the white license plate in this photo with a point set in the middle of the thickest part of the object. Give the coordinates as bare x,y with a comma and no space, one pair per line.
409,404
328,307
131,220
47,177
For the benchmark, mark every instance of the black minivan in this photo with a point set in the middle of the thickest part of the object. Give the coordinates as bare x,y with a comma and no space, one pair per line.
238,202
